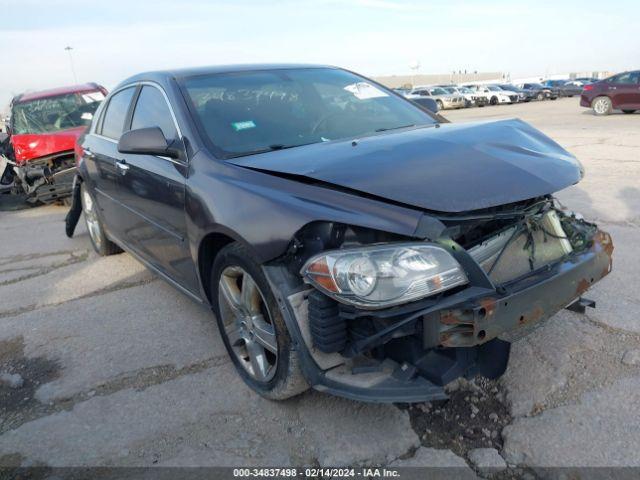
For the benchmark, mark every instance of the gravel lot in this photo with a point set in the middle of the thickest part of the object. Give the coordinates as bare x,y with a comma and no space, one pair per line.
119,369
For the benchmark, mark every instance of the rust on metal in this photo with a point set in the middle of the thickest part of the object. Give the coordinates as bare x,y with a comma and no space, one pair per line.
583,286
603,239
532,317
449,318
489,305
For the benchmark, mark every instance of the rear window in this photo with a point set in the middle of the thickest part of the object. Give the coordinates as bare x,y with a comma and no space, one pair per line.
244,113
54,114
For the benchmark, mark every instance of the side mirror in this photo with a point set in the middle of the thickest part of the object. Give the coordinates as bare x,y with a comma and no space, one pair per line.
148,141
429,104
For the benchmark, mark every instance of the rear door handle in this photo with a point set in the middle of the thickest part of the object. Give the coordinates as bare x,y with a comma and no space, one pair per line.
122,166
612,88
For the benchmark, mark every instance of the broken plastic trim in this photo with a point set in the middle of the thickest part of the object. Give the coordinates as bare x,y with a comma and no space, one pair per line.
496,310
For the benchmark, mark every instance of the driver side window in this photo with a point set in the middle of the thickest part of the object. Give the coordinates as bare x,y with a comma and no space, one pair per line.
152,111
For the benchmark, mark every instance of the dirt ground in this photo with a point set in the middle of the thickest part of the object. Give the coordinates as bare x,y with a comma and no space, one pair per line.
120,369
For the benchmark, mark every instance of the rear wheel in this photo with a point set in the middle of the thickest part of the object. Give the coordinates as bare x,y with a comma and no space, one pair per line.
252,326
628,111
101,244
602,105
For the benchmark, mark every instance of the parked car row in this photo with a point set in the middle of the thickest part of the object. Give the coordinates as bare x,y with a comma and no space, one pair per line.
450,96
464,96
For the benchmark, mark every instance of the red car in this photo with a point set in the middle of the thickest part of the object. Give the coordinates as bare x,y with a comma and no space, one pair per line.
39,151
622,92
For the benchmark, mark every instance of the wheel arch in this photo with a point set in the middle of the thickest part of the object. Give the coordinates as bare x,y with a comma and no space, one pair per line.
599,96
208,249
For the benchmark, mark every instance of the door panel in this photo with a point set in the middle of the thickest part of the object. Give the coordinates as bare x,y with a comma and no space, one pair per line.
624,90
152,192
100,154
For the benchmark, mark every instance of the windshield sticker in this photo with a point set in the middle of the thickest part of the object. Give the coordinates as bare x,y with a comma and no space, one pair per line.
364,91
237,126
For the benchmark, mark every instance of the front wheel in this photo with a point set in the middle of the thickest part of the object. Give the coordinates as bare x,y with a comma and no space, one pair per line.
101,244
440,105
540,96
493,101
602,106
252,327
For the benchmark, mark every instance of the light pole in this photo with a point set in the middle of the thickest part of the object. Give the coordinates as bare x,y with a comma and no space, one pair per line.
414,66
73,70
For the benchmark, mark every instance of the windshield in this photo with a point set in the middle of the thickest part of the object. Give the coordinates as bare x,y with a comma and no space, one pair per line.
493,88
53,114
451,90
243,113
437,91
464,90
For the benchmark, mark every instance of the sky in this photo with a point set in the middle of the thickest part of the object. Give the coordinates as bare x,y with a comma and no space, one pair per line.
113,39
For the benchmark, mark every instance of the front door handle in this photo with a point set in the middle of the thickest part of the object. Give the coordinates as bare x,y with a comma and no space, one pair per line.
122,166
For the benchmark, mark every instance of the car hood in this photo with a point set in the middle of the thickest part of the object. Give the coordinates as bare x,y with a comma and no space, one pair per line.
451,168
29,146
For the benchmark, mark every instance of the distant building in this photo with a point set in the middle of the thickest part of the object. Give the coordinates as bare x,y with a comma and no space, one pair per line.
397,81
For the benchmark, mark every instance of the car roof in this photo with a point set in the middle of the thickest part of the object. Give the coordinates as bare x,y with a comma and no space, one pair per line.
55,92
213,69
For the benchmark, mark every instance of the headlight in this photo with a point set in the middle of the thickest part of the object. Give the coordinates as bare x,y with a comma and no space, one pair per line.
384,275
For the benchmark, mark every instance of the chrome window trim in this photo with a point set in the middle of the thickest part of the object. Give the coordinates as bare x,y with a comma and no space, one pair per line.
166,99
135,84
103,111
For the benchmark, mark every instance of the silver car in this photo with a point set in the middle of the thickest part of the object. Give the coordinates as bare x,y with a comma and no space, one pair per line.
444,99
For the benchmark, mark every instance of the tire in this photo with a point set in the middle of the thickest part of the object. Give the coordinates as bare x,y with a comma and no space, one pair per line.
101,244
602,106
440,105
628,111
253,327
493,101
540,96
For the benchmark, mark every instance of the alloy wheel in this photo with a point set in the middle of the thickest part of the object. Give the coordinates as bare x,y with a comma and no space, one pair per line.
247,323
601,106
91,217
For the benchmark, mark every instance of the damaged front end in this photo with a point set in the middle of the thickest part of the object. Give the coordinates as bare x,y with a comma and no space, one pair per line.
391,319
43,180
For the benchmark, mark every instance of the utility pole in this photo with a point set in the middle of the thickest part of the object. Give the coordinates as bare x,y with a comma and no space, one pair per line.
73,70
414,66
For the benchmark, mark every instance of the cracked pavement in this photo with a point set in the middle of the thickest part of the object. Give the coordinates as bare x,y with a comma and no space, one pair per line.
120,369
